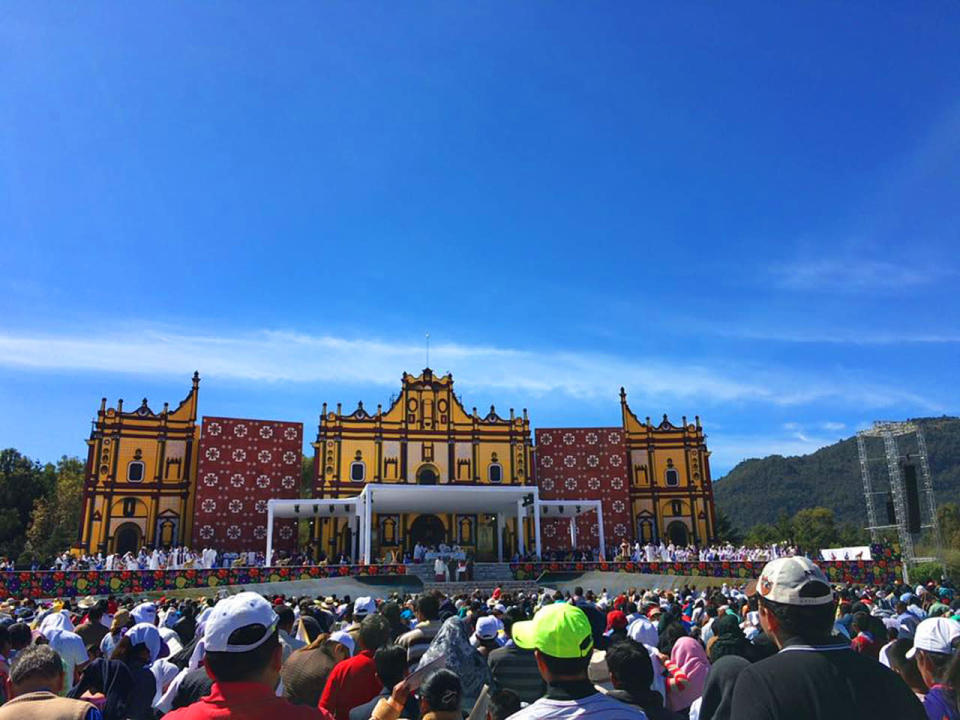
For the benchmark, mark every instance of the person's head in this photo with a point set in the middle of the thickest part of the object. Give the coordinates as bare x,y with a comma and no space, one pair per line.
861,621
20,636
795,600
242,642
285,617
36,668
374,633
391,664
905,668
95,614
362,607
428,607
5,644
934,646
441,692
630,666
562,638
487,630
341,645
503,704
513,615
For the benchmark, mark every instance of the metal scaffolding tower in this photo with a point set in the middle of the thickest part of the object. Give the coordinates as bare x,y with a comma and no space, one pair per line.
901,441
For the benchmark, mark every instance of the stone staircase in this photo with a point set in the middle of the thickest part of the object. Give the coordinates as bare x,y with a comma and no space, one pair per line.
486,577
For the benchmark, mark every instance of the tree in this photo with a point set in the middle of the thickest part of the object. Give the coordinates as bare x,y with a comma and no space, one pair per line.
815,528
56,517
22,482
762,534
726,532
948,516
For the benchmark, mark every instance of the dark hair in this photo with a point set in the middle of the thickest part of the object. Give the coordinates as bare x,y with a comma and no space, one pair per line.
20,635
442,691
4,636
428,606
374,632
630,662
907,669
285,615
807,622
940,661
565,666
512,615
391,664
861,620
669,635
127,652
503,704
36,661
240,667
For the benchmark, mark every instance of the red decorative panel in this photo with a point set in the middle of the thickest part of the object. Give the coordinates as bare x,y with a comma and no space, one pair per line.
244,463
585,464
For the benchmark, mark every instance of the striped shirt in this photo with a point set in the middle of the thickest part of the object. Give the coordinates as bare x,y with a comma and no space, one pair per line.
516,669
418,640
595,706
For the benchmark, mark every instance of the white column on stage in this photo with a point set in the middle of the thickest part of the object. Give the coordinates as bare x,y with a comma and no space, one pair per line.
573,532
367,517
536,525
521,546
357,543
269,554
603,547
500,537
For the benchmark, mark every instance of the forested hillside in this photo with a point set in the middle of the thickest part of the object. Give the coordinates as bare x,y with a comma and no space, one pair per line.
759,491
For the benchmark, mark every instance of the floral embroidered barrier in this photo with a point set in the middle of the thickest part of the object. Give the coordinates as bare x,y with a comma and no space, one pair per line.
78,583
885,568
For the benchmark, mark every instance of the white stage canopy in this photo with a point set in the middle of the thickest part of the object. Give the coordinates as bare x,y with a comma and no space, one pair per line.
499,500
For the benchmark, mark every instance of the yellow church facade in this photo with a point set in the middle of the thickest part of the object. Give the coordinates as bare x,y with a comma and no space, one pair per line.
140,476
671,491
426,437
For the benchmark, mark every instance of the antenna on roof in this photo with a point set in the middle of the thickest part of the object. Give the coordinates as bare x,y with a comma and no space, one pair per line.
428,350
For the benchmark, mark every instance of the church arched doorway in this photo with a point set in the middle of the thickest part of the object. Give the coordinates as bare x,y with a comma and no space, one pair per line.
427,530
427,475
677,532
127,539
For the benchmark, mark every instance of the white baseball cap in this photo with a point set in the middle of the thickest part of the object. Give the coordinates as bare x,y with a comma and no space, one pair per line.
145,613
794,581
344,639
235,612
146,634
364,606
936,635
487,627
643,631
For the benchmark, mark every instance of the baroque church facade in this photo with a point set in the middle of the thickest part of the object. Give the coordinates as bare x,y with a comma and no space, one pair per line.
162,478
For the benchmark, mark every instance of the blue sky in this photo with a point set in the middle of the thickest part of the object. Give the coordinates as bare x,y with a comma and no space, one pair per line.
740,211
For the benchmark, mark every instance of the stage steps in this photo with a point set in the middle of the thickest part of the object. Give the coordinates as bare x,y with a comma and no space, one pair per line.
486,577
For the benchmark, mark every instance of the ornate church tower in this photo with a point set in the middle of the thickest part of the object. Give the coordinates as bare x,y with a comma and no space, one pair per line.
670,487
140,475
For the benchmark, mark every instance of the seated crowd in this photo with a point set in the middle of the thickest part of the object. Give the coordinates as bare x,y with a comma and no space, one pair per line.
787,646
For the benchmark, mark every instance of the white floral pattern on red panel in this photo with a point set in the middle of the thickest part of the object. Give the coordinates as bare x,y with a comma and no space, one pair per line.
289,458
250,458
589,474
544,438
209,505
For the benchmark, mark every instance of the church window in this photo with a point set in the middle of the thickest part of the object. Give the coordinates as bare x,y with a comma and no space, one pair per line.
495,473
358,471
135,471
426,452
672,475
129,507
676,507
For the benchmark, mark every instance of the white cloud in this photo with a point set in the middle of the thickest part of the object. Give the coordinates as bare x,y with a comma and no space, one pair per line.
854,275
728,450
302,358
833,426
838,336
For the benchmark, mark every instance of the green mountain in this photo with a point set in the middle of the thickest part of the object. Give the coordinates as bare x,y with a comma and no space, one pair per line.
758,491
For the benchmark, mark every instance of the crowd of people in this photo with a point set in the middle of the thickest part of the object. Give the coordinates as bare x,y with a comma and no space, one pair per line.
185,558
789,645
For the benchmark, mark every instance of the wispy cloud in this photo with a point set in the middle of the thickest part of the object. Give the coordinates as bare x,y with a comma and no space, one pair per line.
303,358
833,426
728,450
838,336
852,274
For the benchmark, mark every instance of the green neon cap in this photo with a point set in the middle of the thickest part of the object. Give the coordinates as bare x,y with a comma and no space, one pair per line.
559,630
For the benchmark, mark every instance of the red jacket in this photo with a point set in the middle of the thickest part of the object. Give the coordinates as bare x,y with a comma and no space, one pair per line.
245,701
351,683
